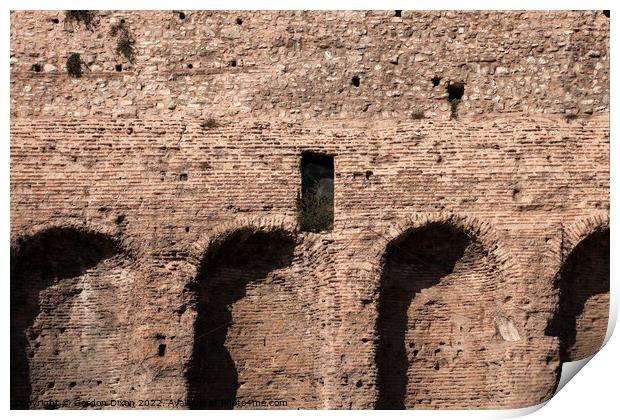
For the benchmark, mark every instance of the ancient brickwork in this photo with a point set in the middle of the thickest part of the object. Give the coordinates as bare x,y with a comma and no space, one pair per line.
452,238
300,65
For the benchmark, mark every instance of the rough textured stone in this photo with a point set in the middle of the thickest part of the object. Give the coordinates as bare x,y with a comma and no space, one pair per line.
452,275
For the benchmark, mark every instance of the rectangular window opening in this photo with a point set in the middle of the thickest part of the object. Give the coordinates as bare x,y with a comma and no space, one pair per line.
316,205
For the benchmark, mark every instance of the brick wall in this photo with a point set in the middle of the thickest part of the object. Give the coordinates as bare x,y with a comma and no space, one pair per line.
126,155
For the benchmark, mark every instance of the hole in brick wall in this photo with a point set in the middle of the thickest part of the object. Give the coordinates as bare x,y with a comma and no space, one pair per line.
316,205
233,63
368,174
161,350
54,257
417,260
244,258
239,21
183,177
55,21
606,13
181,15
36,68
355,81
398,13
455,91
190,66
118,67
186,229
122,21
72,384
436,80
580,321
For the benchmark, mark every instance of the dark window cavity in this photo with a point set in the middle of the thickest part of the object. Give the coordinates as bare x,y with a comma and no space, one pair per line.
316,206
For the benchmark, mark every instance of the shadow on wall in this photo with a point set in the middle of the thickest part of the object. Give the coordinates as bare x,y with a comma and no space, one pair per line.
226,270
417,260
38,262
580,321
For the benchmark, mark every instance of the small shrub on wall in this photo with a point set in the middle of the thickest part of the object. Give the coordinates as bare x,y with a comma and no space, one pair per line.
74,65
315,211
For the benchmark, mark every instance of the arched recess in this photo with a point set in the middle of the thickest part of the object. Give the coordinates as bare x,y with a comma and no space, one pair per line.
252,335
582,283
69,289
437,334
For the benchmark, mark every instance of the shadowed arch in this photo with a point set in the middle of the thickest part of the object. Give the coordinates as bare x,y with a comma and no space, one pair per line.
230,266
416,260
38,262
580,320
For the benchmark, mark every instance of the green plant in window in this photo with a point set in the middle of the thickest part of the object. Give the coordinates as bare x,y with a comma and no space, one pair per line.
315,210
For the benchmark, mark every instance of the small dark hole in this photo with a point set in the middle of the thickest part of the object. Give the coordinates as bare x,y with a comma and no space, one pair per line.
368,174
606,13
239,21
190,66
36,68
122,21
186,229
398,13
233,63
161,350
455,90
436,80
183,177
355,81
181,15
118,67
72,384
55,21
359,384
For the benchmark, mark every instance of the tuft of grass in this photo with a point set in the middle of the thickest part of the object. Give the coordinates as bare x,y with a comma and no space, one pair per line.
418,114
208,123
571,117
74,65
84,17
315,211
125,41
125,47
116,28
454,104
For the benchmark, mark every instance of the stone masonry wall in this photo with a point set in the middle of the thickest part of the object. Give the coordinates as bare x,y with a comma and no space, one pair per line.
508,191
299,65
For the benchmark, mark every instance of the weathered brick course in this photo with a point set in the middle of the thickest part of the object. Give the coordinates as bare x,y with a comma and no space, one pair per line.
127,156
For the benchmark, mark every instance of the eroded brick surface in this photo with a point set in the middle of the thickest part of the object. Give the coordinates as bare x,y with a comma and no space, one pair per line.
509,191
